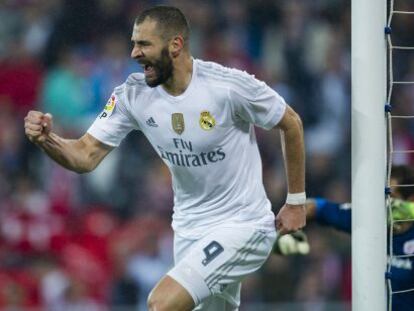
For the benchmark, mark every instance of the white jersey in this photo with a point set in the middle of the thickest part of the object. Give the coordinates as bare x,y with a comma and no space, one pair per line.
206,138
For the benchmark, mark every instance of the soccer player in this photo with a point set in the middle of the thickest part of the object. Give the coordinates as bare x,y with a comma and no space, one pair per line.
402,273
199,117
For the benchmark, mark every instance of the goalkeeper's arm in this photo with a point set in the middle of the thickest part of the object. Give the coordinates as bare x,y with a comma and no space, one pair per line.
329,213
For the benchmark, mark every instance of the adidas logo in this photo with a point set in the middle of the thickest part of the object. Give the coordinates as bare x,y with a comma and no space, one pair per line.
151,122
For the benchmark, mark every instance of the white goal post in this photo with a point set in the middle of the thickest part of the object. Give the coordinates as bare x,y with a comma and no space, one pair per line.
369,78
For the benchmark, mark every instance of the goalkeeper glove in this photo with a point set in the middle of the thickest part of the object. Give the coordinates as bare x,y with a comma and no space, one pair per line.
295,243
402,210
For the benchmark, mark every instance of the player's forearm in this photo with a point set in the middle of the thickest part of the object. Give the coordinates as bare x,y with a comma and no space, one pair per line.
294,155
69,153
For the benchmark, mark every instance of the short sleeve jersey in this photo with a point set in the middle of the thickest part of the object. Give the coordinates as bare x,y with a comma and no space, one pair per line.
206,138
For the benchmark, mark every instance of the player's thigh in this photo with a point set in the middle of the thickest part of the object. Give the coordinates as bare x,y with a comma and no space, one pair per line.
169,295
229,300
221,259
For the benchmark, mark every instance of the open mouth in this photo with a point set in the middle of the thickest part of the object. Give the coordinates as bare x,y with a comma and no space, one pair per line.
148,70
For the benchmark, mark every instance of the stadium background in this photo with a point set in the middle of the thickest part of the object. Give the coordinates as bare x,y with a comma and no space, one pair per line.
100,241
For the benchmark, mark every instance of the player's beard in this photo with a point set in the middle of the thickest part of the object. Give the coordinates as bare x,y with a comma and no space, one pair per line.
163,69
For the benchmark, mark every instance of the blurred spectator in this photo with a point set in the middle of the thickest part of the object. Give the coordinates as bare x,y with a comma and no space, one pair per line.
110,69
146,245
27,222
38,22
20,78
147,259
327,137
66,94
76,297
11,138
157,195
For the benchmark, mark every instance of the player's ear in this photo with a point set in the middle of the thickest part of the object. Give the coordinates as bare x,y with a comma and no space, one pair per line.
176,46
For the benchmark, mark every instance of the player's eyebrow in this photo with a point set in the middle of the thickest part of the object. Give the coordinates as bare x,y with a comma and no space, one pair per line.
141,42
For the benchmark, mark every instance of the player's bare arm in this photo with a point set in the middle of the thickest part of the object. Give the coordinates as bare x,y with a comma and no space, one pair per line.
79,155
292,216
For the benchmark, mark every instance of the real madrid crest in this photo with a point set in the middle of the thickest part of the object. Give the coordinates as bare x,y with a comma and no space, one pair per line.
177,121
207,121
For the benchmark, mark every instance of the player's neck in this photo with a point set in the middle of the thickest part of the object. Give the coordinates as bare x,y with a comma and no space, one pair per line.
181,77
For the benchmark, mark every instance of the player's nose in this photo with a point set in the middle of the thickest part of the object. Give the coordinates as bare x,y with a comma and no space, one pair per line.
136,52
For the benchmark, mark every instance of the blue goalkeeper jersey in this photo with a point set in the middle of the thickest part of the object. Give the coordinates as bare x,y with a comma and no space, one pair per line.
402,273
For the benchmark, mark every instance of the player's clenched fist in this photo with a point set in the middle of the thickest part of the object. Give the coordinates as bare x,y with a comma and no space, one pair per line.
291,218
37,126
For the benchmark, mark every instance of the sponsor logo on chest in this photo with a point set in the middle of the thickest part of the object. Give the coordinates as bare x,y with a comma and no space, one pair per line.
183,154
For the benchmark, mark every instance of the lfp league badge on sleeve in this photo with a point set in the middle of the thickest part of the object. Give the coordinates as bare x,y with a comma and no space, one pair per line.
109,107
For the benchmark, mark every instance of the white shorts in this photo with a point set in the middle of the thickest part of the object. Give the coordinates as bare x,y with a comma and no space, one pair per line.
211,268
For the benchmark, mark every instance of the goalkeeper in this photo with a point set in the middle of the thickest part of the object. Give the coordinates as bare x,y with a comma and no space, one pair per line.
339,216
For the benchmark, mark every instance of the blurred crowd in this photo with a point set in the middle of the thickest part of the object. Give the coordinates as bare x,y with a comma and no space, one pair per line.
101,240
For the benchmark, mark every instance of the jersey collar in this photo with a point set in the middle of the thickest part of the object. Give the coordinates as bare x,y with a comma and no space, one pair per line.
188,90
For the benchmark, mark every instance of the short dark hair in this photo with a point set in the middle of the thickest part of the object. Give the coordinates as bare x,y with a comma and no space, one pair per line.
171,21
404,175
